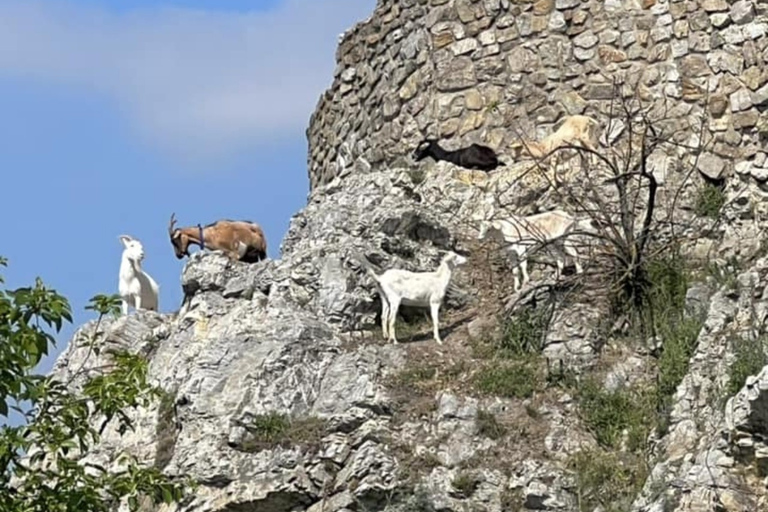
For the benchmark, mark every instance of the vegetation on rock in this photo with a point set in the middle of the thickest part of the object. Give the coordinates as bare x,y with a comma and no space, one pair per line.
44,462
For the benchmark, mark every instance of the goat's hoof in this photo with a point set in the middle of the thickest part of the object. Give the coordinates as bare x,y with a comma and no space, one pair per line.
439,342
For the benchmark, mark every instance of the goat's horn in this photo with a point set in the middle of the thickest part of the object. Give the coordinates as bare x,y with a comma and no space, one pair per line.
173,222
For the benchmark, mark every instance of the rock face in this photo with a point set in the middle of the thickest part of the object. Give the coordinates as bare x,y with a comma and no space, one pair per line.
701,459
299,336
488,71
280,394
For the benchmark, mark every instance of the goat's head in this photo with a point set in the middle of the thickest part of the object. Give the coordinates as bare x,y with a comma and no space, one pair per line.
489,228
424,149
454,260
132,248
589,225
179,240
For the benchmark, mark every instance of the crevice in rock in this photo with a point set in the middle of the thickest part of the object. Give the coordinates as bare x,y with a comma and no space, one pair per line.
281,501
419,229
166,430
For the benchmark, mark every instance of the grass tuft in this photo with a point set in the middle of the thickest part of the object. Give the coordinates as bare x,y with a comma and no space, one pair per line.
274,429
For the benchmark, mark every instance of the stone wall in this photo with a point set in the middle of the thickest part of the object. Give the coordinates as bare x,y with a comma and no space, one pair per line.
487,71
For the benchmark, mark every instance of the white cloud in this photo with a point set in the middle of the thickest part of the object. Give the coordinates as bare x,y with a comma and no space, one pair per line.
197,83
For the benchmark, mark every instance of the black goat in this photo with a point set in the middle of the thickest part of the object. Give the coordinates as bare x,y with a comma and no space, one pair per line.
474,156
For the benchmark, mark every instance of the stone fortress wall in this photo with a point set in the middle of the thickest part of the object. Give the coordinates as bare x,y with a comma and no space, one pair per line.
486,71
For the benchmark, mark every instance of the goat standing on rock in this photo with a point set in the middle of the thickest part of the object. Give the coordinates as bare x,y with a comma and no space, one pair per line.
398,286
473,157
240,240
524,233
576,130
136,287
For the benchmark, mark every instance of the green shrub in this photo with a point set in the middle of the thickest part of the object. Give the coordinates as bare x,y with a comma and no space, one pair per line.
275,429
426,374
524,333
44,450
654,293
560,376
726,275
606,480
519,336
750,358
654,303
609,413
668,278
678,343
511,379
669,281
709,199
413,374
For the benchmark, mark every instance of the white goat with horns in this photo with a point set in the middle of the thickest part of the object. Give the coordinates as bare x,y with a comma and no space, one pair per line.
136,287
522,234
424,289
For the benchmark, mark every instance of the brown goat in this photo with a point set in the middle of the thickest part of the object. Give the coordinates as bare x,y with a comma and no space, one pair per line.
240,240
576,130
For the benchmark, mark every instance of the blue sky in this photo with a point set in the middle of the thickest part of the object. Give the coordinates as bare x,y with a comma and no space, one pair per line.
117,113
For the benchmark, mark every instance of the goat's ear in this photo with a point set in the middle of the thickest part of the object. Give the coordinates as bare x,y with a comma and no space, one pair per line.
125,239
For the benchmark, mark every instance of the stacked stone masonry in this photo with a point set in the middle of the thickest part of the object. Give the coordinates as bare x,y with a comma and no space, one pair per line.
488,71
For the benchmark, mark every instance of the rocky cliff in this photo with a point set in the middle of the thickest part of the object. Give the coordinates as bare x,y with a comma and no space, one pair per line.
280,394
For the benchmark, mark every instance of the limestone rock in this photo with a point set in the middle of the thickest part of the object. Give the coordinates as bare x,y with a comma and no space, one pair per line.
301,335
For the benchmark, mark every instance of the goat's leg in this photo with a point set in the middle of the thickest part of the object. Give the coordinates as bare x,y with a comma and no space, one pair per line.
594,160
571,251
519,263
559,271
524,268
125,307
137,301
393,307
384,317
435,309
515,275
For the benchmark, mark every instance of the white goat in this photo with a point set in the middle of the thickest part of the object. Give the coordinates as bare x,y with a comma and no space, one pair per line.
576,130
523,233
136,287
398,286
